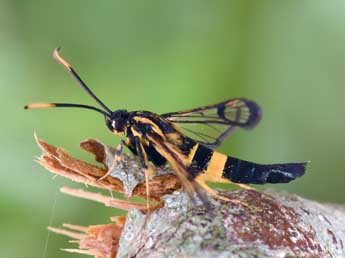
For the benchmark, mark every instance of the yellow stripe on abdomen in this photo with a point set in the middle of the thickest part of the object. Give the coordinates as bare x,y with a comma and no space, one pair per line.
214,170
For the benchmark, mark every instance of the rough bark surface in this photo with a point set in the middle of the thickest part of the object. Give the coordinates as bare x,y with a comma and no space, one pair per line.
275,224
272,224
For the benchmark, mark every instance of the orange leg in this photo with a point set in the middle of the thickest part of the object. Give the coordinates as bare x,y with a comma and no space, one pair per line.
214,194
116,159
147,170
244,186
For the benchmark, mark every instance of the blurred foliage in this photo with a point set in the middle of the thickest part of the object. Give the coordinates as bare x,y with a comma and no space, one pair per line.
165,56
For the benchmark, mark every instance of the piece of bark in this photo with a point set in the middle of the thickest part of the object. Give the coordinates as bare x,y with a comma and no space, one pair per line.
100,241
274,224
126,177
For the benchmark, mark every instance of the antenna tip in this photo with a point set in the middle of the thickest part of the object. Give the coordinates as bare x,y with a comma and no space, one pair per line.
39,105
56,52
57,57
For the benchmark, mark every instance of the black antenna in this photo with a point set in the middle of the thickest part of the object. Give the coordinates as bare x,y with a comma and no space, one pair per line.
53,105
69,68
107,112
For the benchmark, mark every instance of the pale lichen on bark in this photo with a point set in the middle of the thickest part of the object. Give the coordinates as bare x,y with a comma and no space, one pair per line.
274,224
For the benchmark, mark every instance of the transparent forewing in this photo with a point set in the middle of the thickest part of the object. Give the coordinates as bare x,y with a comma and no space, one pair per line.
210,125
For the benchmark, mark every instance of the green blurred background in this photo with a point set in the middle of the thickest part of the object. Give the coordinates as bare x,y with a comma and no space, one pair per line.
164,56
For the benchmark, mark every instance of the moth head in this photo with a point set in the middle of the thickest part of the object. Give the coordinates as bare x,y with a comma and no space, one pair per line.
117,121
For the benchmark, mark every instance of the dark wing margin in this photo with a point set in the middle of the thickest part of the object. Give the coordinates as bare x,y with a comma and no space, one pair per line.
210,125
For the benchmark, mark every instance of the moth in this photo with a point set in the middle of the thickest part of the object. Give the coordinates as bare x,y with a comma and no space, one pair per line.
158,140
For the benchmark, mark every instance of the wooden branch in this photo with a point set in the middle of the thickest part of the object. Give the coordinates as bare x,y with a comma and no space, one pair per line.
274,224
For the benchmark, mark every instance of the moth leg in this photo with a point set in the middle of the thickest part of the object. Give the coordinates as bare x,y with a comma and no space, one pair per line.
214,194
147,169
244,186
116,159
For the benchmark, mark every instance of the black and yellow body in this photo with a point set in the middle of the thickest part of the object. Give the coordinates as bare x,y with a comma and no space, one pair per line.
163,143
164,139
